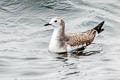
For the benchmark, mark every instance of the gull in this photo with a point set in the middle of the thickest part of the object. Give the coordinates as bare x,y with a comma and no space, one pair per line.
63,42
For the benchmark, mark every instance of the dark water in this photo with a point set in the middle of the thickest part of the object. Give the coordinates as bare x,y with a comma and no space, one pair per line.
24,40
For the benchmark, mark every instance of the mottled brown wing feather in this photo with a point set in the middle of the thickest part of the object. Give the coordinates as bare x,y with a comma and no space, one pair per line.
84,38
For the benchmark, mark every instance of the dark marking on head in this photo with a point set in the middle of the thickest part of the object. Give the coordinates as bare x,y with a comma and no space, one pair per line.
55,21
62,23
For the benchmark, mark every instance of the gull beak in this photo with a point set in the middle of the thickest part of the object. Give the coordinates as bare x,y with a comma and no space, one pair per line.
47,24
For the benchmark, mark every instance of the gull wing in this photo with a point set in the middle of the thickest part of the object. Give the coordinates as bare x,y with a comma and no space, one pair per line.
84,38
78,39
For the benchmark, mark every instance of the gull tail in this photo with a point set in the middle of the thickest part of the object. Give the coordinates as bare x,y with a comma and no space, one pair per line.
99,28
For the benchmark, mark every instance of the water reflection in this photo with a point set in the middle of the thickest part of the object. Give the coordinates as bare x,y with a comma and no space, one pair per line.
76,54
70,68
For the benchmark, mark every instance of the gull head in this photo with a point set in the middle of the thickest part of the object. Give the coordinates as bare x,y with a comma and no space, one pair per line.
56,22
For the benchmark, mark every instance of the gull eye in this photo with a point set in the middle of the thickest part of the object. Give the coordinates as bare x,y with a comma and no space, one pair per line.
55,21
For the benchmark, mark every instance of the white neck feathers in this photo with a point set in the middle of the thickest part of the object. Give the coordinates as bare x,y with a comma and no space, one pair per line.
57,42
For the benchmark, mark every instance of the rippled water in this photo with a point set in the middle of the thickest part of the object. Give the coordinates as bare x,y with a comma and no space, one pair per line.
24,40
